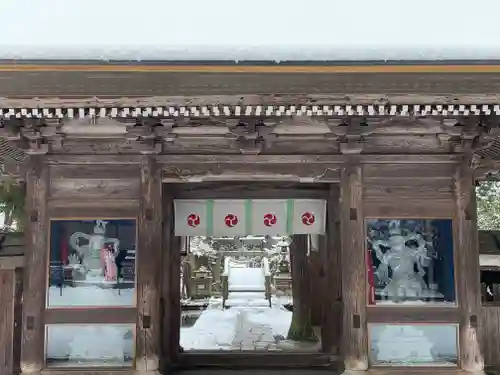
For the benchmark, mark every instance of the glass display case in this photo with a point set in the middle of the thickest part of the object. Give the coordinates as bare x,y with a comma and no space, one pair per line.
410,262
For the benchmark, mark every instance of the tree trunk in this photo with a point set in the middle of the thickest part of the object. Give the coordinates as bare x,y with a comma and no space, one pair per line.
8,218
316,277
216,272
301,328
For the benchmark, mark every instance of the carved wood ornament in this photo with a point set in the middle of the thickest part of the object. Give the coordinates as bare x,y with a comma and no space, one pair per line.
261,136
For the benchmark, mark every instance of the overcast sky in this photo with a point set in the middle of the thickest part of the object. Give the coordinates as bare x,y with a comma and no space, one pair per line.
318,29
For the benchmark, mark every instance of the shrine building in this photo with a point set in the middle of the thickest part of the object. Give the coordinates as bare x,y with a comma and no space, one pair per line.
192,205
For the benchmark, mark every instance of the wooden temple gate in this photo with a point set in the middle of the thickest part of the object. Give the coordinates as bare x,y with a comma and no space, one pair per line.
400,158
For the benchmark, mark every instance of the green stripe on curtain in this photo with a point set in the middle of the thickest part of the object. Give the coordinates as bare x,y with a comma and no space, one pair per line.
248,217
210,217
290,207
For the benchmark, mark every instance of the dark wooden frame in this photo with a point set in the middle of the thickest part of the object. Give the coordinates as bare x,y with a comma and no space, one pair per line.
376,178
419,313
89,314
381,188
171,330
33,307
416,315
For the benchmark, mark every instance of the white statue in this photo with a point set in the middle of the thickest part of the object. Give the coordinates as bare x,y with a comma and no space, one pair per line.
402,259
92,252
403,344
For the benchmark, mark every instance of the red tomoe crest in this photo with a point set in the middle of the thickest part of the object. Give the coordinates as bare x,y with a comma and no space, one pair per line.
308,218
270,220
193,220
231,220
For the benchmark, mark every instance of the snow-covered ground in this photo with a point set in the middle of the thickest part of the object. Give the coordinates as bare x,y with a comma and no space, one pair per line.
250,324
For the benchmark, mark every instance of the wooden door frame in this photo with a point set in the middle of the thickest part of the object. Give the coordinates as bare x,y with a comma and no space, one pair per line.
170,283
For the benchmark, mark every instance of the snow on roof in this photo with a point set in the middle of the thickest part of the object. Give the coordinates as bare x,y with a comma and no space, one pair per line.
271,30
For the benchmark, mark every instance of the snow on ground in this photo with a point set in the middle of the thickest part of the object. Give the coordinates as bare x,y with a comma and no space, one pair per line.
214,330
90,295
249,324
237,328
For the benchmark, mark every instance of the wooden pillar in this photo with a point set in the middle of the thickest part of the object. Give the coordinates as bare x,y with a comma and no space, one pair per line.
7,298
170,276
332,328
467,268
148,350
353,259
36,268
18,317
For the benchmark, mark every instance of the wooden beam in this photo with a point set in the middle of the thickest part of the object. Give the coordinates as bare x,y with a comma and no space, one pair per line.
170,286
95,171
423,188
115,315
148,349
168,223
174,272
91,208
271,362
467,267
94,188
269,67
171,160
353,265
298,159
89,159
7,300
11,262
18,318
35,275
373,98
413,315
409,208
253,190
263,172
